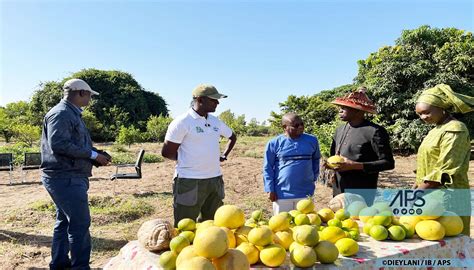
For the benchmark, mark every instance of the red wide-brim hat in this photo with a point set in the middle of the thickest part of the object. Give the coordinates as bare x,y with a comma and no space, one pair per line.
357,100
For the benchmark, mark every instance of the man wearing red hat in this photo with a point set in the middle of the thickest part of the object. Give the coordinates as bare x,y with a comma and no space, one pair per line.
364,146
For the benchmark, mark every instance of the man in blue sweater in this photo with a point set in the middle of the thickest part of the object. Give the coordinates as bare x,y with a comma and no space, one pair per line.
291,165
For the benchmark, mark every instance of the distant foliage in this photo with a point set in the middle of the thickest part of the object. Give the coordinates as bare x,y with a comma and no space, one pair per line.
325,134
6,125
395,76
152,158
18,150
156,127
314,110
18,122
409,134
420,58
122,101
240,127
92,123
26,133
46,96
236,123
118,148
130,158
123,158
129,135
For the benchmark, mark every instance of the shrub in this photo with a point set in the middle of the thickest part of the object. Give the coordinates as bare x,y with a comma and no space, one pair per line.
26,133
130,158
128,135
123,158
156,127
152,158
118,148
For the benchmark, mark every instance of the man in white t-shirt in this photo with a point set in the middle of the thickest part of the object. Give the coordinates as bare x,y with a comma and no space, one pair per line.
192,139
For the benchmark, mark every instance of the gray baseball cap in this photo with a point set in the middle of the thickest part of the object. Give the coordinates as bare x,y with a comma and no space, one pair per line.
77,85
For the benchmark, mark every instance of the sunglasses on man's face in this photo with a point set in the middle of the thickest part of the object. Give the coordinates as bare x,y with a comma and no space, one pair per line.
297,125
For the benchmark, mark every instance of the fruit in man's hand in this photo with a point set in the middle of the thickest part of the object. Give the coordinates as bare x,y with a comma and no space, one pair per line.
334,161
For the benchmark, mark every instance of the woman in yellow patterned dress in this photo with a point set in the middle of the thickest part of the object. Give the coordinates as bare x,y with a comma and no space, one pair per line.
443,156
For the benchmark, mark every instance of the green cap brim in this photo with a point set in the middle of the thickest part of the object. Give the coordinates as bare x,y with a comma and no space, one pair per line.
217,96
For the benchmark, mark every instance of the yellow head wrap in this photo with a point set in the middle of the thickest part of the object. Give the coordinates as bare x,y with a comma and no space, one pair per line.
444,97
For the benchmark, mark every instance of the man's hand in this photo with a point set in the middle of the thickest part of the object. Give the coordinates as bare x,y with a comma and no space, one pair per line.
102,160
349,165
429,185
325,164
272,196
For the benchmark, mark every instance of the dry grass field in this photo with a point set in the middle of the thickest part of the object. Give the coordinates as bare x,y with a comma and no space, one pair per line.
27,215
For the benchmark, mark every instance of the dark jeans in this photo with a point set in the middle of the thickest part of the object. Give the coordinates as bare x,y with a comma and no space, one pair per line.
71,231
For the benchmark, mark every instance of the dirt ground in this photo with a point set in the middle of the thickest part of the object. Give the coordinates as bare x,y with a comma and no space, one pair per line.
25,236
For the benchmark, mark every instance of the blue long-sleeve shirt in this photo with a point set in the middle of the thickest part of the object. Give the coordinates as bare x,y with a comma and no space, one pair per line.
291,166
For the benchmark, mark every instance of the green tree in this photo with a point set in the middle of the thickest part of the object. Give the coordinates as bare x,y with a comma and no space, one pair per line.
6,125
325,133
19,112
128,135
26,133
92,123
236,123
421,58
314,110
118,117
395,76
156,127
46,96
17,118
254,128
122,100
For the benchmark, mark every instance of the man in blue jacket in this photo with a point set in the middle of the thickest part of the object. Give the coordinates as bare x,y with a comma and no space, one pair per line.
291,165
67,155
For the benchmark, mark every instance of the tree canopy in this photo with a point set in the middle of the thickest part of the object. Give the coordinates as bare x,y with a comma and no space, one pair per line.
421,58
395,76
122,101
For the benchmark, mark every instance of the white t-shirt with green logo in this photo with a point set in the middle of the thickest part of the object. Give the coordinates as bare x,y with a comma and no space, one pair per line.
199,152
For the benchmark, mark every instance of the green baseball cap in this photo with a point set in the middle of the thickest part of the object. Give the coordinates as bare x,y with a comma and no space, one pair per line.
207,90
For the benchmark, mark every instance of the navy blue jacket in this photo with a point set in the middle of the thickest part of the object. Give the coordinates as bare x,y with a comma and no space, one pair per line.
66,145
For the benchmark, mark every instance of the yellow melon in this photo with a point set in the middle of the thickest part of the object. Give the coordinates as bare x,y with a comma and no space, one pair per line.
229,216
234,259
212,242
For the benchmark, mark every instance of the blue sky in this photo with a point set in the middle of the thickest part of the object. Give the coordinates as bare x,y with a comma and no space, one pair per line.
257,52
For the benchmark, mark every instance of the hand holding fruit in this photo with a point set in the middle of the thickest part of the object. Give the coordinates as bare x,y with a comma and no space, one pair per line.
341,164
333,162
